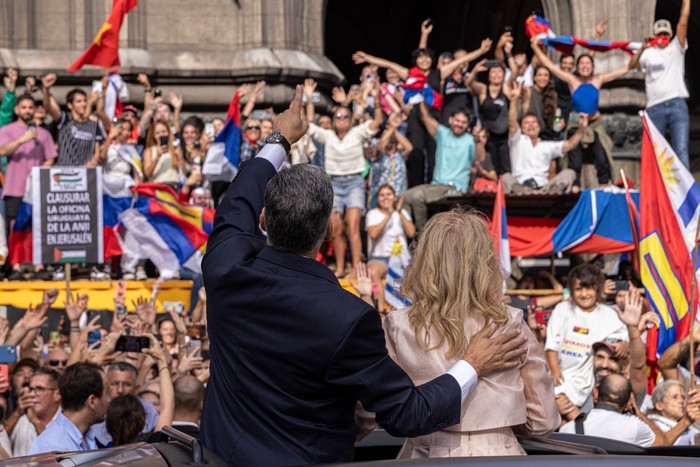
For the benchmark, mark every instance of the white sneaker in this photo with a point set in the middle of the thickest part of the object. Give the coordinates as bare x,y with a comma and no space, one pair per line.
141,275
129,276
59,274
97,275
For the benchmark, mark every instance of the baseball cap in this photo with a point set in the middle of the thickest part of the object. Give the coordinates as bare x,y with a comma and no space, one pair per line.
604,345
661,26
30,362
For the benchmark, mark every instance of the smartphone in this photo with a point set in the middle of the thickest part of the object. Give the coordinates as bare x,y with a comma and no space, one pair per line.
120,311
5,371
542,316
621,285
355,87
54,336
508,29
196,345
97,86
157,92
163,141
197,331
132,343
92,314
94,337
9,354
178,307
197,144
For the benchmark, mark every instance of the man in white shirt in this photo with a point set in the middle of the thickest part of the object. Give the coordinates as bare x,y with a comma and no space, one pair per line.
606,420
532,161
44,409
662,59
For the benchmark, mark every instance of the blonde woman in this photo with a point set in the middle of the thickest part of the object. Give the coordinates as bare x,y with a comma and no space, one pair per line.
455,285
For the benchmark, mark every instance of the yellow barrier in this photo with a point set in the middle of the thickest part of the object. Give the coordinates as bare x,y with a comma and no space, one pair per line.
22,294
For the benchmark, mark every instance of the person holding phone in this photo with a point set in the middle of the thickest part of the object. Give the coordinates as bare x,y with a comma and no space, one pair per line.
161,158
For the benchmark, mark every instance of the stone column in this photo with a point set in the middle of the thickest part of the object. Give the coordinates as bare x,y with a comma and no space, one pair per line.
621,99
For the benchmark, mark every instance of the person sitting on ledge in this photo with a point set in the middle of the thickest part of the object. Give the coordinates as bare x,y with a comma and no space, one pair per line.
533,162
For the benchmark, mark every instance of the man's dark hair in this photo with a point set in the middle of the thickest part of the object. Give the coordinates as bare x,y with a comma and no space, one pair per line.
298,205
459,110
123,366
563,56
424,51
50,372
529,114
125,419
70,97
614,389
25,97
78,382
189,393
589,275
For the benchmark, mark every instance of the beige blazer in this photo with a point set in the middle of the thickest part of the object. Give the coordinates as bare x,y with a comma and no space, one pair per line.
521,397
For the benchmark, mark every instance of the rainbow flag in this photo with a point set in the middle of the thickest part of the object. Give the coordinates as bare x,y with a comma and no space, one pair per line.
669,209
167,231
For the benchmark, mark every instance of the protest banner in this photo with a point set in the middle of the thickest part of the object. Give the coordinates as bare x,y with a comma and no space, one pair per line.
67,215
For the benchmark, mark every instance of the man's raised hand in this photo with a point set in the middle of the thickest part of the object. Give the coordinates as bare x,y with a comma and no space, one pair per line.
289,122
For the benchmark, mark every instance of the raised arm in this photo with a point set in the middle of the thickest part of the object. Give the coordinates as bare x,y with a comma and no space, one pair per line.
250,105
599,31
499,53
682,26
634,61
513,124
176,102
239,211
637,359
454,64
565,76
361,57
475,87
309,88
378,114
575,139
50,104
430,123
603,78
426,28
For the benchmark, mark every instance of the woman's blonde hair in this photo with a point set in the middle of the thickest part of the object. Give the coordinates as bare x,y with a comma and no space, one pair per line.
454,273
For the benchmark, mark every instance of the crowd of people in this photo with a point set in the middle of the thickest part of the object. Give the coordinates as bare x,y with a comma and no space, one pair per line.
388,148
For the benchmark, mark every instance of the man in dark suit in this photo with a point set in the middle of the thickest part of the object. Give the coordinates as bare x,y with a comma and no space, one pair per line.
291,351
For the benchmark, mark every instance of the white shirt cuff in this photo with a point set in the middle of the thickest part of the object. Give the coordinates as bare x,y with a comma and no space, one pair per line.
274,153
465,375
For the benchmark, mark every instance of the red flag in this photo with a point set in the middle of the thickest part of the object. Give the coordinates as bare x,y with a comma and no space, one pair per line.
104,50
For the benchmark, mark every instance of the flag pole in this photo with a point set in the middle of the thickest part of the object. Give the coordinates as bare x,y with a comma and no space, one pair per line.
68,271
693,287
635,259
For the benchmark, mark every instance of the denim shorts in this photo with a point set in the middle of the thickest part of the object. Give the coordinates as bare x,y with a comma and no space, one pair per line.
379,259
348,192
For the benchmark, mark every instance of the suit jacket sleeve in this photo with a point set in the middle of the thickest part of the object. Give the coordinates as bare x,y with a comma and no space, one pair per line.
402,409
240,209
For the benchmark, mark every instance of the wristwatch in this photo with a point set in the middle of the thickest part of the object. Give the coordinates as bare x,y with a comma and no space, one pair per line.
278,138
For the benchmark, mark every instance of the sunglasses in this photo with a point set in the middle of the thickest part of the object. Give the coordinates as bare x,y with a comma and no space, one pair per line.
252,127
58,362
342,116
